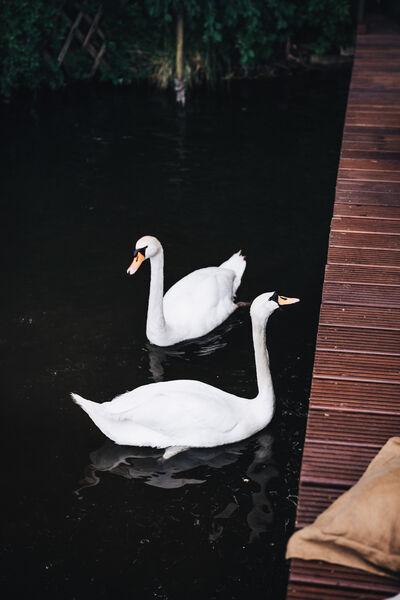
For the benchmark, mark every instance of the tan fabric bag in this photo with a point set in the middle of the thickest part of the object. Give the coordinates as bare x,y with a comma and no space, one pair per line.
361,529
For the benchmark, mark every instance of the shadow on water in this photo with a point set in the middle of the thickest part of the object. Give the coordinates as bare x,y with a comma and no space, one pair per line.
146,465
85,173
161,357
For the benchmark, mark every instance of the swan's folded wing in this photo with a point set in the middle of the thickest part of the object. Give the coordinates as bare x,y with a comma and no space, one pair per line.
130,400
202,299
177,412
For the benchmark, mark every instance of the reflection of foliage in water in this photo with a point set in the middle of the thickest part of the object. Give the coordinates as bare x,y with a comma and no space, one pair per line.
146,464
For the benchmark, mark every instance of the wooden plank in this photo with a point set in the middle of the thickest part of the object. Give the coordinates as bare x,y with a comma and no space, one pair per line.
321,461
375,80
367,109
363,274
364,240
379,40
362,256
380,98
371,134
360,225
313,501
342,315
377,119
341,577
370,50
351,366
379,398
368,175
364,210
369,147
351,428
306,591
352,340
359,294
365,164
367,198
378,65
377,187
377,156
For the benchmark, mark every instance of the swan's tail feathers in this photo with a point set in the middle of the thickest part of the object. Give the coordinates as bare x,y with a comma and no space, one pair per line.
93,409
96,412
81,401
237,264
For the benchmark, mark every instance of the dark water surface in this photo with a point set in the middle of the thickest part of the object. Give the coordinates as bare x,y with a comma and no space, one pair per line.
85,174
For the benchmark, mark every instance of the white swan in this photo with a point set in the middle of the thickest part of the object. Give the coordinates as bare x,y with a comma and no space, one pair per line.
181,414
192,307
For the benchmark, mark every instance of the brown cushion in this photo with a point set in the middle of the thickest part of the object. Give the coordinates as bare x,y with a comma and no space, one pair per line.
361,528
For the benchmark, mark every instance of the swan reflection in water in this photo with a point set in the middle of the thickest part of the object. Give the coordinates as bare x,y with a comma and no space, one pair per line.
145,464
159,356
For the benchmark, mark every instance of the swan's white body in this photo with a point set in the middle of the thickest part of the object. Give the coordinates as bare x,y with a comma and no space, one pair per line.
195,305
184,413
175,413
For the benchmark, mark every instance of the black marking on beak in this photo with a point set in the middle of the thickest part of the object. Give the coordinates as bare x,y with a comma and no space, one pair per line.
139,250
274,297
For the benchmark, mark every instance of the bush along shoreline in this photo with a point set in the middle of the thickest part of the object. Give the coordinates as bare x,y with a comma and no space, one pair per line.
163,42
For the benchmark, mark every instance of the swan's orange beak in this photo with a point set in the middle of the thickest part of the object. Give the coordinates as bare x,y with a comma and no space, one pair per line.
284,300
135,264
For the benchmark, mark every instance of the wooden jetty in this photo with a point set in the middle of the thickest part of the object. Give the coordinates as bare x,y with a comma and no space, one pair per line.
355,400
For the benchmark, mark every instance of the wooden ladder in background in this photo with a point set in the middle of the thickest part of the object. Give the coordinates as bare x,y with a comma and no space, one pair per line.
87,32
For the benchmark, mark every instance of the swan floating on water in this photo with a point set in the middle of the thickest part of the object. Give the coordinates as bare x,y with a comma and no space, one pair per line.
181,414
193,306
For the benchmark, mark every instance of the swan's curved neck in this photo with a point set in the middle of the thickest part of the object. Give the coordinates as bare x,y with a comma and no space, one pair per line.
155,313
264,379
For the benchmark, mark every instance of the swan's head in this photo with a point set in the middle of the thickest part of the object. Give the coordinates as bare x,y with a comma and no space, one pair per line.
146,247
265,304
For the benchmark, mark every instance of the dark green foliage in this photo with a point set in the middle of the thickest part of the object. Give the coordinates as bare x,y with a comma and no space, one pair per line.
326,25
220,38
30,34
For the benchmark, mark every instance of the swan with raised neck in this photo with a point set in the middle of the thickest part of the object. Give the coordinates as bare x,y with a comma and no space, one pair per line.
181,414
193,306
